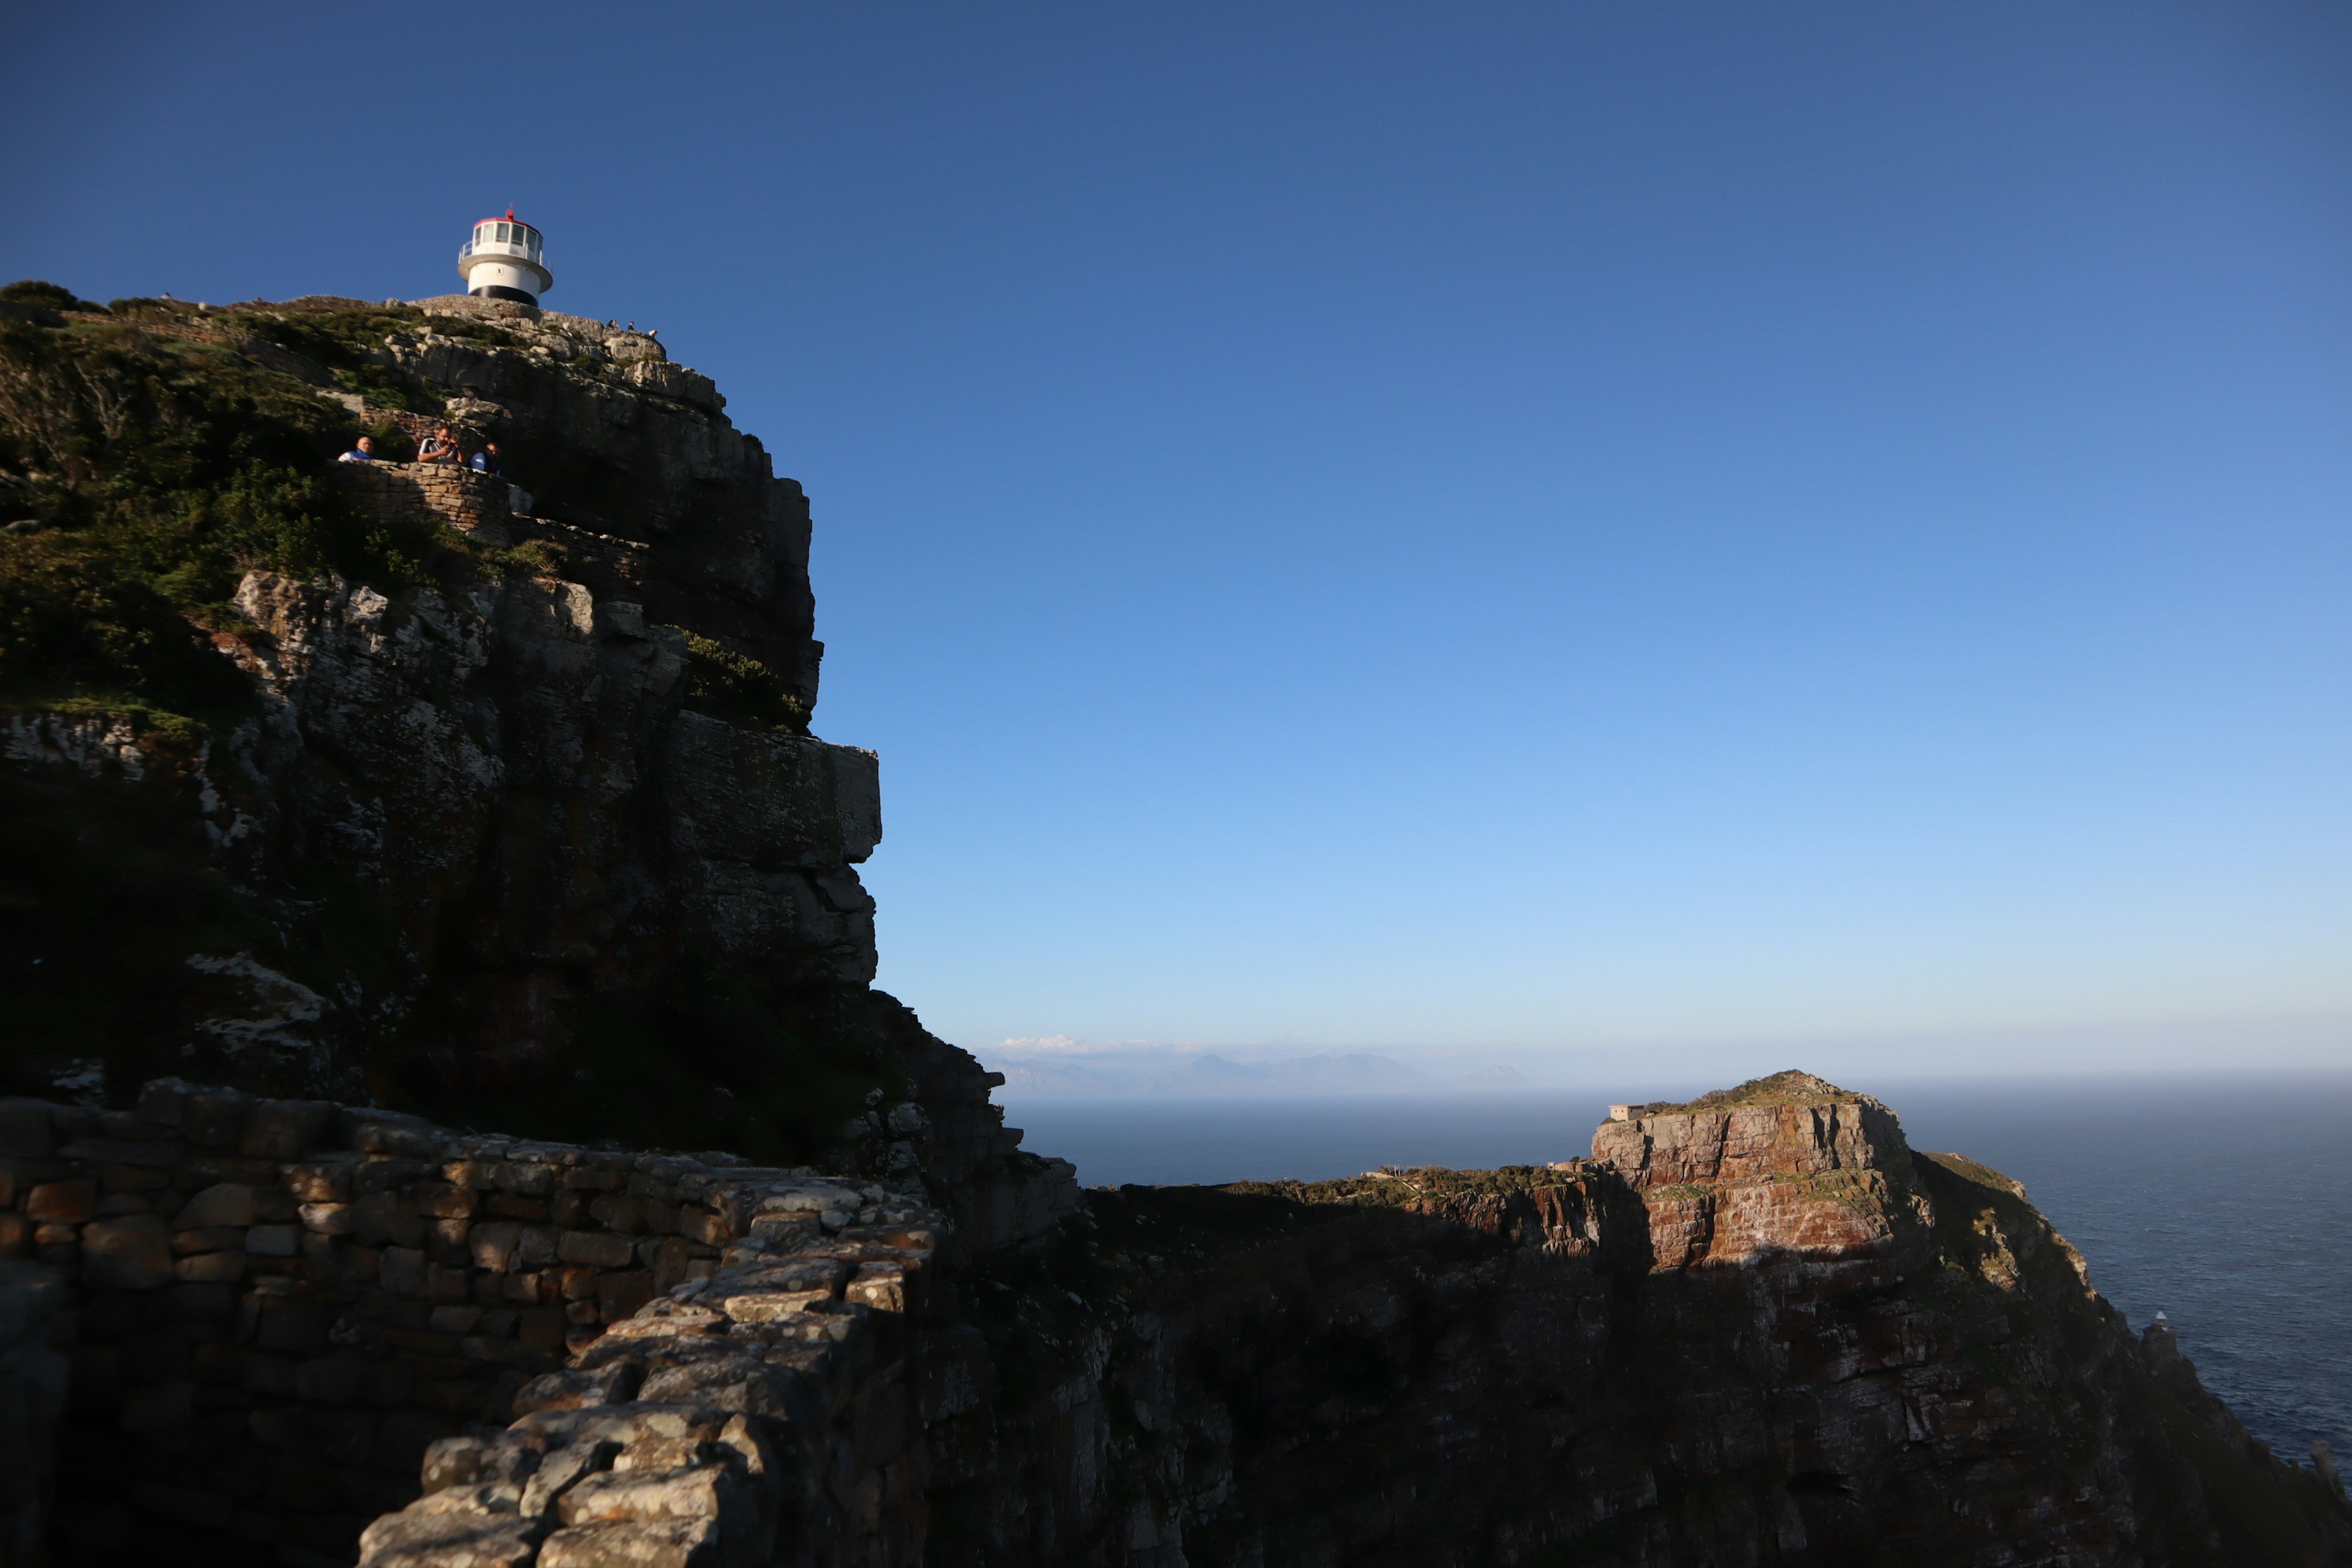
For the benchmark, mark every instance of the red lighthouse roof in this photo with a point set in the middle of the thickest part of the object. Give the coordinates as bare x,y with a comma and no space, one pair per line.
507,218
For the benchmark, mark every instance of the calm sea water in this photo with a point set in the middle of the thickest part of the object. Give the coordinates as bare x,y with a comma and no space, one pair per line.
2228,1204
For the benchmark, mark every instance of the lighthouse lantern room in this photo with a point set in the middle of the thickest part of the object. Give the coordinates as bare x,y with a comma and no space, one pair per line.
503,261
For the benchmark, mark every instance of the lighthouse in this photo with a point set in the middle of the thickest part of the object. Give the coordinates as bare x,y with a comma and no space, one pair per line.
503,261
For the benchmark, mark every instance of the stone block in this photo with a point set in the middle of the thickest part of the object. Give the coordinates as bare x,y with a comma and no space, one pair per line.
212,1238
223,1204
382,1132
881,1286
62,1203
542,1328
618,1211
597,1249
443,1201
321,1182
273,1240
493,1244
614,1384
378,1218
213,1119
645,1544
25,1129
132,1178
508,1459
698,1492
284,1128
620,1294
412,1540
773,1306
668,1259
445,1242
456,1319
403,1272
526,1178
327,1218
133,1252
210,1269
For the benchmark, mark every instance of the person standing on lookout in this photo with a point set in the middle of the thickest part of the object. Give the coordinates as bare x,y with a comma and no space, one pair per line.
486,462
363,451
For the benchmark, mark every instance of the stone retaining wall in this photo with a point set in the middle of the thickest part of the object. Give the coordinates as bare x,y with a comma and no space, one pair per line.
446,492
276,1309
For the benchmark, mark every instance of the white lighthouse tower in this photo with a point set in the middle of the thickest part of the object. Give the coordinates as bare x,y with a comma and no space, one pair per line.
503,261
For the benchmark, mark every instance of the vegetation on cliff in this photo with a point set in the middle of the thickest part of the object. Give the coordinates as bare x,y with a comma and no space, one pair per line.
1786,1087
141,474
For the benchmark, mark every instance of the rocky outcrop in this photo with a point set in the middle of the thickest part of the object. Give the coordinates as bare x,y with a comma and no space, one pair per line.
1806,1169
536,835
1751,1333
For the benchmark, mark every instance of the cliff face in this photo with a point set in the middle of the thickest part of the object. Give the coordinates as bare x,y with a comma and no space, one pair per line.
496,799
1767,1332
517,820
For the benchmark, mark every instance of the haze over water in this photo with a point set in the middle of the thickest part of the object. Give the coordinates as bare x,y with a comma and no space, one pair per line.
2225,1203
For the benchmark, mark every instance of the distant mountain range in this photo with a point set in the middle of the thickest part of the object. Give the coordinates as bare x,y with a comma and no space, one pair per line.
1159,1072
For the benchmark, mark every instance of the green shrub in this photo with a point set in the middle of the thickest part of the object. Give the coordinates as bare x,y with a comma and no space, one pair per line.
740,688
71,625
45,296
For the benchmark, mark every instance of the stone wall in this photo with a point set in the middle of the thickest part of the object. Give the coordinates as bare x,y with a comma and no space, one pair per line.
444,492
32,1396
275,1310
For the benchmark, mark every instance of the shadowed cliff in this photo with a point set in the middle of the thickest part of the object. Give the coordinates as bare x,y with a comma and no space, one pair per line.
1757,1329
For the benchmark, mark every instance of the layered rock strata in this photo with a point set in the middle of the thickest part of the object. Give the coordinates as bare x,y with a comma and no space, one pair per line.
1763,1331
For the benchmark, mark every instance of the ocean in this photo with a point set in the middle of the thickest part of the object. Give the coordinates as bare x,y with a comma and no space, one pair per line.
2227,1203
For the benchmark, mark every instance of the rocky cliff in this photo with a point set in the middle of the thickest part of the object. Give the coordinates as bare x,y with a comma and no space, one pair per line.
387,791
1756,1329
492,797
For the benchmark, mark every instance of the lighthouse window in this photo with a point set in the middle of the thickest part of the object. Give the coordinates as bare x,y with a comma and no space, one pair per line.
503,231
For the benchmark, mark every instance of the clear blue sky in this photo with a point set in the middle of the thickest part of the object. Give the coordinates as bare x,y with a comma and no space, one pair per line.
1518,526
